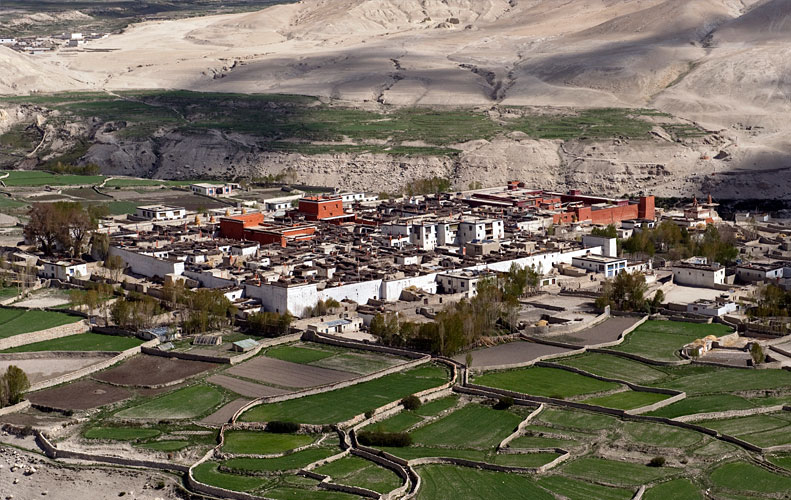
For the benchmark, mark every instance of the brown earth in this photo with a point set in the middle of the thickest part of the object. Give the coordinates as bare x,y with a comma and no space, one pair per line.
81,395
224,414
287,374
510,353
152,370
606,331
245,387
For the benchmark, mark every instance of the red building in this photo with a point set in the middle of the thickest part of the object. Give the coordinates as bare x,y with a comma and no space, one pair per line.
326,208
252,227
599,210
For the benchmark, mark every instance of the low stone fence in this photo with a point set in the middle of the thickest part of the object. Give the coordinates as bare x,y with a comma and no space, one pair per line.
566,329
92,368
228,360
54,452
323,338
729,414
639,358
42,335
524,364
520,428
10,356
22,405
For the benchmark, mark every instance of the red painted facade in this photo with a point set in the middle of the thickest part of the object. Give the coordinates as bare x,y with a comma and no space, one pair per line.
320,208
251,227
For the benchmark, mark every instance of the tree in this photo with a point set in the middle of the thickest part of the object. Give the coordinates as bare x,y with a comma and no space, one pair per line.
757,353
624,293
115,264
607,232
468,360
64,224
17,383
44,227
269,324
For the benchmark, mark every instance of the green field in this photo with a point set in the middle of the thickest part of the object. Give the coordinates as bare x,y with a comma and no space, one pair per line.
781,460
543,381
743,476
708,379
16,321
359,362
397,423
702,404
437,406
120,433
445,482
659,340
677,489
355,471
188,402
343,404
761,430
616,367
581,420
207,473
526,442
463,429
661,435
263,443
124,182
166,445
21,178
81,342
573,489
292,461
627,400
302,355
615,473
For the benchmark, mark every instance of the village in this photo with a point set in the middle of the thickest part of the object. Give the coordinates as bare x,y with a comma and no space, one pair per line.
314,343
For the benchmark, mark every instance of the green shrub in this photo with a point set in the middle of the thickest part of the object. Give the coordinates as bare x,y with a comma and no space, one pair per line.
280,427
657,462
369,413
504,403
411,402
390,439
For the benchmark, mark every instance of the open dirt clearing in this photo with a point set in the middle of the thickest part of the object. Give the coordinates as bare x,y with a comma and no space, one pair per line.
606,331
286,374
146,370
46,368
81,395
224,414
510,353
245,387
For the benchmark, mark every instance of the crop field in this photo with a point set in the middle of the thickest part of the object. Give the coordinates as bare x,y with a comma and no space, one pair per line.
16,321
445,482
462,429
287,374
188,402
659,340
661,435
677,488
574,489
324,356
615,367
578,420
81,342
743,476
355,471
702,404
80,395
766,430
627,400
290,462
343,404
159,438
263,443
543,381
615,473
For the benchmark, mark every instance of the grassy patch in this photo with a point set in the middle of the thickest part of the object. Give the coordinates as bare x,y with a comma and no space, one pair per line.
445,482
355,471
343,404
188,402
655,434
615,473
581,420
120,433
659,340
397,423
207,473
781,460
627,400
678,489
616,367
16,321
166,445
573,489
437,406
707,379
291,461
463,428
592,123
525,442
746,425
702,404
743,476
525,459
542,381
302,355
263,443
81,342
39,178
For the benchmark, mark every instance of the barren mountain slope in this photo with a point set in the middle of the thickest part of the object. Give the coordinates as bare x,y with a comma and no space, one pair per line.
20,73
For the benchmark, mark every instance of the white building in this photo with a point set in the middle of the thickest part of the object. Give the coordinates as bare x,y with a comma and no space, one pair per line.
751,273
480,230
698,273
212,189
608,266
337,326
160,212
712,308
350,198
65,270
465,282
608,245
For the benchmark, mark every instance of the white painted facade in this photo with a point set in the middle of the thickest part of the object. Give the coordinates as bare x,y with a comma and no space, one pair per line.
698,274
65,270
608,245
160,212
148,265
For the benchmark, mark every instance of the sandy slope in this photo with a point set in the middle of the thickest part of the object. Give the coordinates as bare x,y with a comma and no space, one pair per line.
724,63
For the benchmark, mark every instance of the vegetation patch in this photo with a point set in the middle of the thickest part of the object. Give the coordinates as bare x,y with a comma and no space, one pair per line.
465,428
355,471
574,489
81,342
656,434
660,340
616,367
343,404
543,381
303,355
743,476
208,473
615,473
292,461
188,402
120,433
445,482
263,443
582,420
17,321
627,400
702,404
677,488
36,178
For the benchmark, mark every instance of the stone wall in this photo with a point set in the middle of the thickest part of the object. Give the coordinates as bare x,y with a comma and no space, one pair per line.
42,335
520,428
